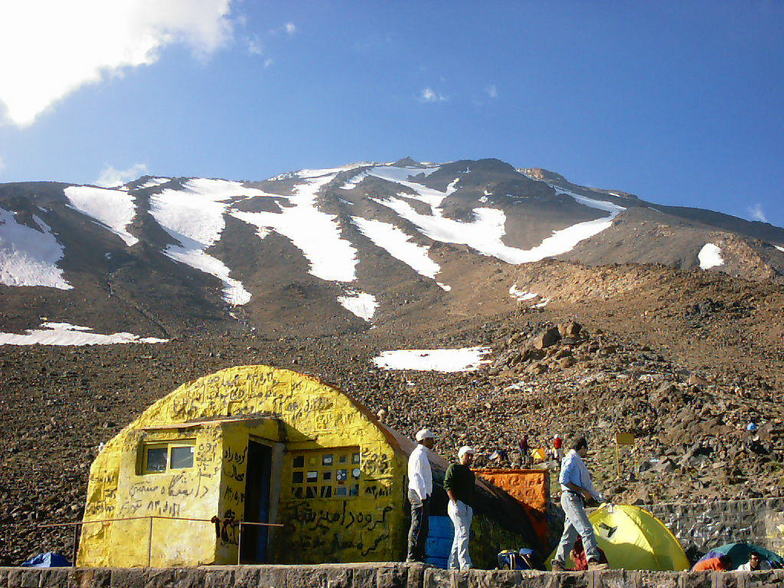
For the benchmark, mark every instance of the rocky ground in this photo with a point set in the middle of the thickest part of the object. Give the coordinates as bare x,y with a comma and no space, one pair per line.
681,360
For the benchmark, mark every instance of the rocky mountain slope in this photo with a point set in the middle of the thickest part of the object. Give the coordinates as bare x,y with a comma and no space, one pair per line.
683,360
353,246
322,270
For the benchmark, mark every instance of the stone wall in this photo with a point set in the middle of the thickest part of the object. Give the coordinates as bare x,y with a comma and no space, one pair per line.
700,526
381,575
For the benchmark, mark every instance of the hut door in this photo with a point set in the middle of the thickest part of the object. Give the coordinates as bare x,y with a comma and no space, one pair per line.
257,499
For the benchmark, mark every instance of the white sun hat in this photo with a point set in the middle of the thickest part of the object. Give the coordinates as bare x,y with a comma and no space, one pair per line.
463,450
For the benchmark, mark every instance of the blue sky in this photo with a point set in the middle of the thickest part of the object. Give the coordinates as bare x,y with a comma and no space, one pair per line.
678,102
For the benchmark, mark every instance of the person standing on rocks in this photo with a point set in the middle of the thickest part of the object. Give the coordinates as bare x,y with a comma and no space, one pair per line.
420,488
577,489
558,448
525,451
459,485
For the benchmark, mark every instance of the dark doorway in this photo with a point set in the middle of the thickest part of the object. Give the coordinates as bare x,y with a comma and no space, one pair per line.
257,499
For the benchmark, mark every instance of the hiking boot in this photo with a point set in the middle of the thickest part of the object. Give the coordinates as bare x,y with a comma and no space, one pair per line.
594,565
557,566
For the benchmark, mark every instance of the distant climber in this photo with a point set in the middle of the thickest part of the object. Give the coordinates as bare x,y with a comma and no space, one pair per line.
459,485
558,448
420,488
525,451
577,490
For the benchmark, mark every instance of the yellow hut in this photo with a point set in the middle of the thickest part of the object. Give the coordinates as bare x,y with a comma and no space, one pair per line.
264,445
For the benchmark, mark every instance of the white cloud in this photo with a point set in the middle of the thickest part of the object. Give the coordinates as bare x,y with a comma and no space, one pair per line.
288,28
756,213
255,46
111,177
267,62
2,165
58,46
430,95
492,91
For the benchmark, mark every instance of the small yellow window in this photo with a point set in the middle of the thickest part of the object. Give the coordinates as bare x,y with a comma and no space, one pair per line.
161,457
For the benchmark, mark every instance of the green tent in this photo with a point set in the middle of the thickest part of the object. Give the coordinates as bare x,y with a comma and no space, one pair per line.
739,554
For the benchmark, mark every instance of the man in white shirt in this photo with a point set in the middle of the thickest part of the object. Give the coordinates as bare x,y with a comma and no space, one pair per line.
576,489
754,564
420,488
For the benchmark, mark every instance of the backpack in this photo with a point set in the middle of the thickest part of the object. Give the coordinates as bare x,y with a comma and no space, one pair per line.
511,559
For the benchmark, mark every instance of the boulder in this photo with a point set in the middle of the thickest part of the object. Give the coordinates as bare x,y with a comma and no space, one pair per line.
695,380
570,329
546,338
532,354
567,362
665,392
665,466
538,368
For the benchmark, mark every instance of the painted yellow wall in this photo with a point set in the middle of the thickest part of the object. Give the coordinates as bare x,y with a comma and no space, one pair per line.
313,416
118,490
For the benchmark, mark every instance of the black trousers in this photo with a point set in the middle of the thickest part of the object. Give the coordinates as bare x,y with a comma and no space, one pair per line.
420,526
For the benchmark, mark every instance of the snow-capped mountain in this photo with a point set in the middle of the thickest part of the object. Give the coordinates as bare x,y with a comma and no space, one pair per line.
320,250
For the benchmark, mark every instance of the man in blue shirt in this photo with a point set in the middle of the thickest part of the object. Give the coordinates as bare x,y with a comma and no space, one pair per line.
576,489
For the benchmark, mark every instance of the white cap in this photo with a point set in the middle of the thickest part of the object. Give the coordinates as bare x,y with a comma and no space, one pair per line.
463,450
423,434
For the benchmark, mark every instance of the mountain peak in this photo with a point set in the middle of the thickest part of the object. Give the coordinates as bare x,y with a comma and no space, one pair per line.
544,175
407,161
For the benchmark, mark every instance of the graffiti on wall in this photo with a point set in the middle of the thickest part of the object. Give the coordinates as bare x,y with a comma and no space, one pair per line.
310,413
340,528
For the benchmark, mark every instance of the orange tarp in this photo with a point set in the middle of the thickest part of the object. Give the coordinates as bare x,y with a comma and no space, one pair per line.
531,488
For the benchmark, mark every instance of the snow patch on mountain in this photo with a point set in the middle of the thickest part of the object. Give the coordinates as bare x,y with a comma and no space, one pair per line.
613,209
194,217
233,290
521,295
67,334
114,209
315,233
400,175
710,256
359,304
542,304
352,183
485,232
332,171
439,360
153,182
399,245
29,257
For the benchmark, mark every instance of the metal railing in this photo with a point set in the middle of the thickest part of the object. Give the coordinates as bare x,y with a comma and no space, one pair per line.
214,521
